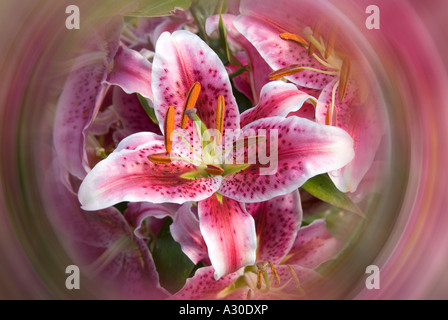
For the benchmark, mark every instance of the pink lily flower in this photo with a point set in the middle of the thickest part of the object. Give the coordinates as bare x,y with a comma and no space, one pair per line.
287,36
292,45
257,75
287,256
116,264
364,123
186,73
104,63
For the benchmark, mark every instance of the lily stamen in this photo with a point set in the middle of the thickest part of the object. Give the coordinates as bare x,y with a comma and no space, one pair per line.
168,128
214,170
190,102
219,122
294,37
160,158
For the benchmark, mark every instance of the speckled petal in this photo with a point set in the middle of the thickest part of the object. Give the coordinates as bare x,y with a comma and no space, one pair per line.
128,175
182,59
305,149
185,230
229,232
87,236
365,125
203,286
277,99
313,246
132,72
280,53
81,99
277,222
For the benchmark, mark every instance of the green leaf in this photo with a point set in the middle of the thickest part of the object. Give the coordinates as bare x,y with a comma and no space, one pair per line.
324,189
158,8
149,111
173,266
224,44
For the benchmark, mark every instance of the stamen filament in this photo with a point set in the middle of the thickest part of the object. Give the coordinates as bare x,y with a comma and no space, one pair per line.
294,276
343,78
190,102
259,279
323,62
330,43
274,273
329,119
168,128
316,35
315,42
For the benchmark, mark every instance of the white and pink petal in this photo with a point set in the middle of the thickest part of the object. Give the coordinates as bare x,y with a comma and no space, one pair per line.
128,175
82,97
132,72
182,59
279,53
277,99
277,222
229,232
204,286
294,150
365,124
185,230
313,246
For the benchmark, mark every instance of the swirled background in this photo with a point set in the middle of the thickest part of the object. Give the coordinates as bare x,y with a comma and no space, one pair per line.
407,55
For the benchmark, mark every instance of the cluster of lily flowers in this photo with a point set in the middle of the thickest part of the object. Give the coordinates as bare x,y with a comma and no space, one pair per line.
148,129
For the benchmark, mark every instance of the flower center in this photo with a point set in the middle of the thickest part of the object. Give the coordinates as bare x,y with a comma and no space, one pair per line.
323,51
209,154
262,280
